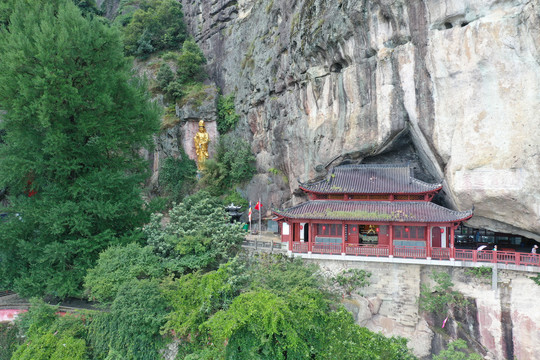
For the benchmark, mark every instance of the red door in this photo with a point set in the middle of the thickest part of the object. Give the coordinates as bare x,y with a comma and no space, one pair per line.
352,234
436,237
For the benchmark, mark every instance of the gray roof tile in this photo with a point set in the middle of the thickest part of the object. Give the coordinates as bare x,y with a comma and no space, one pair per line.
397,211
370,179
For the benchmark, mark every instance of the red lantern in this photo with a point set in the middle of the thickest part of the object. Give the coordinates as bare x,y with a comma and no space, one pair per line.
301,227
353,229
442,230
377,229
323,228
406,229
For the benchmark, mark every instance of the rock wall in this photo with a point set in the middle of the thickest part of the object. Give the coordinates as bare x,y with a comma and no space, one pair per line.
501,324
324,81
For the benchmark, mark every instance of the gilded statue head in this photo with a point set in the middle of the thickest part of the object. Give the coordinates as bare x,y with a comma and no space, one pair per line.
201,123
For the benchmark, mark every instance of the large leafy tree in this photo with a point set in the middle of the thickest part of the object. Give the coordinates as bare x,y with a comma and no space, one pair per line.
74,123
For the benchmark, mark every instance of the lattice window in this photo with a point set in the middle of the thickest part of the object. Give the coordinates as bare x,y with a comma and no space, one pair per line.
335,197
379,197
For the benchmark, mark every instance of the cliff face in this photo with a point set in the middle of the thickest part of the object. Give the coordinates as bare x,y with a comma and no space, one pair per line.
323,81
499,324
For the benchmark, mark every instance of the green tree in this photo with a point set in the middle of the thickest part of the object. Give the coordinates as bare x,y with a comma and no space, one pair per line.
156,25
190,63
130,329
198,235
75,121
9,340
118,265
268,307
233,165
6,7
178,176
49,336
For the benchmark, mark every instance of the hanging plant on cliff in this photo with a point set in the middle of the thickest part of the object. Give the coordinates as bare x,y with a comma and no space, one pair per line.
441,298
227,116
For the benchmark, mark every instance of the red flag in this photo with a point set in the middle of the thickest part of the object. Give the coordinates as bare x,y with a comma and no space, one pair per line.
258,206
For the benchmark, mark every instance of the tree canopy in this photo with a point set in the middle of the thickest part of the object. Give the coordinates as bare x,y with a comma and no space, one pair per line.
75,121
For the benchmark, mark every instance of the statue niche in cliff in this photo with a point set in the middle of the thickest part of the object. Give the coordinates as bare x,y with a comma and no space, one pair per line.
201,141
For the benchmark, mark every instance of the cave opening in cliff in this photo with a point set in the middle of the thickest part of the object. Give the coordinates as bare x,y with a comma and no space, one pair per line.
468,237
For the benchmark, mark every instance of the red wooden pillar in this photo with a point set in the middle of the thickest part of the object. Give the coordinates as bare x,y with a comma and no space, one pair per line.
391,240
291,233
427,233
311,238
343,238
452,242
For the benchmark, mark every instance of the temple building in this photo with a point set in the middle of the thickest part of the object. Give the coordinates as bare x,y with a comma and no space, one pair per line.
371,210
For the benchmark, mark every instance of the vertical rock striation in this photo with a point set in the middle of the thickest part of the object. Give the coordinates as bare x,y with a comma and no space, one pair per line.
319,81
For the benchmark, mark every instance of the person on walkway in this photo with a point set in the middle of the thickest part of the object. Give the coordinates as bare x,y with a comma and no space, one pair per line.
495,248
533,251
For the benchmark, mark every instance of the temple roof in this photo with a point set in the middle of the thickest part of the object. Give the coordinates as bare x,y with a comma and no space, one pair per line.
385,211
370,179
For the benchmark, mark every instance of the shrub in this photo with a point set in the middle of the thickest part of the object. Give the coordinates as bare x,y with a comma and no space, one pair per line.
227,116
483,272
118,265
235,198
49,336
233,165
178,176
441,297
9,340
130,330
197,237
156,25
457,350
352,279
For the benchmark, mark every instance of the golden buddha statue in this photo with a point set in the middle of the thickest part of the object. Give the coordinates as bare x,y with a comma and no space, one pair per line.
201,145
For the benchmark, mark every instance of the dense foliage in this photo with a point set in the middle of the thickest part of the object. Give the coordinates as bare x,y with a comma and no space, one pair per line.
227,116
177,177
118,265
9,340
352,279
130,329
189,75
457,350
74,123
268,308
152,25
441,297
233,165
51,337
198,235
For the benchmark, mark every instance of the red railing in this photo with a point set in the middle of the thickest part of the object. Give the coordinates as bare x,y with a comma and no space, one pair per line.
300,247
441,253
418,252
414,252
367,250
326,248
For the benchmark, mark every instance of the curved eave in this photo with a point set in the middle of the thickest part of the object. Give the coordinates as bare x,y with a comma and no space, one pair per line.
438,188
374,211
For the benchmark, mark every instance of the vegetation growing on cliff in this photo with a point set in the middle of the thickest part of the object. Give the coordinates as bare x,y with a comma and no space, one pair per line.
233,165
227,116
75,119
441,297
151,25
457,350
